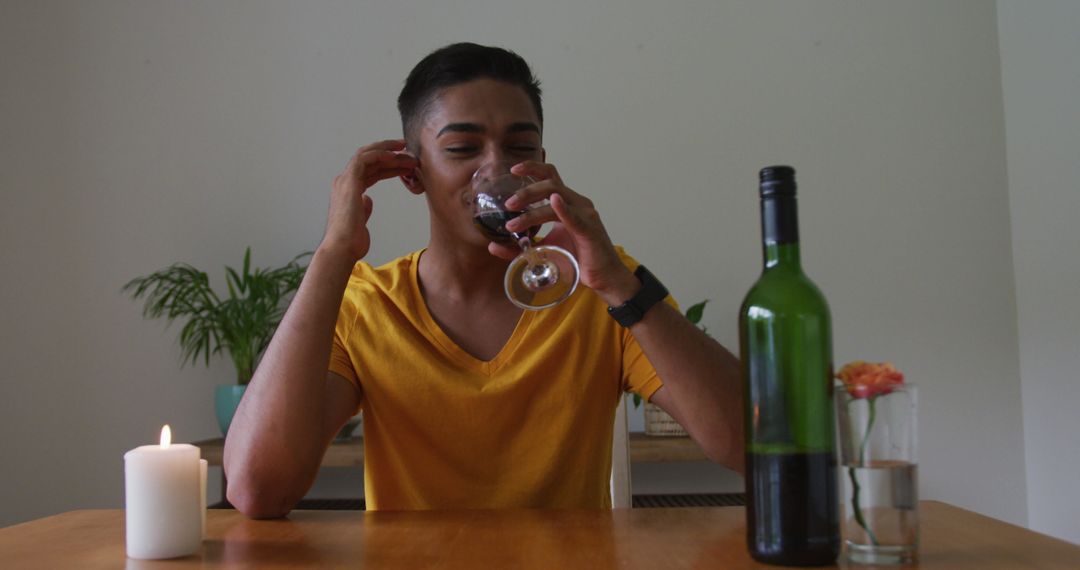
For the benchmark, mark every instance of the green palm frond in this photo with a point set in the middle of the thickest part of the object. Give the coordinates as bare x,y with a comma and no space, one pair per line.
241,324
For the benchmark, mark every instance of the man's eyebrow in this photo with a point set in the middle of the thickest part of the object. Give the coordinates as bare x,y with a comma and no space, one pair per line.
460,128
522,127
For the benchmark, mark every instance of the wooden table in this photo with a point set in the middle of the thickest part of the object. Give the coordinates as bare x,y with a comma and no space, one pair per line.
350,453
625,538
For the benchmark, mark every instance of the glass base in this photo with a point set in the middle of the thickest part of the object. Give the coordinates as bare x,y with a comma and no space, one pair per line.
549,293
869,554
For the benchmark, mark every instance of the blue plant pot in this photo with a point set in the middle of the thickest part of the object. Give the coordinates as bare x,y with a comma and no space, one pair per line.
226,398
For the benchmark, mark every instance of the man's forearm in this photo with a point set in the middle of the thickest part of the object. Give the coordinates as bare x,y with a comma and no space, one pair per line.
701,382
275,442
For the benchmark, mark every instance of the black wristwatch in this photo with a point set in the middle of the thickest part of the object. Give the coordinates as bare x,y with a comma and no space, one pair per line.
652,292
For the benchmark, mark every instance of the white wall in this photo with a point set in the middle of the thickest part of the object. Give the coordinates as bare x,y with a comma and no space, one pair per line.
1040,49
136,134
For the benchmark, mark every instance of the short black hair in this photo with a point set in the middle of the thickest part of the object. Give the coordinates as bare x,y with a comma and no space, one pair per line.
459,63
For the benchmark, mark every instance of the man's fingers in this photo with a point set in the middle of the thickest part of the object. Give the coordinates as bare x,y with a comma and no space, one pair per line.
388,158
532,218
369,205
558,210
386,152
379,161
388,144
566,215
376,174
537,170
503,251
534,192
383,145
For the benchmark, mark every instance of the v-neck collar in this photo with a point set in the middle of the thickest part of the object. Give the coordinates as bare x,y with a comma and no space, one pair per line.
451,348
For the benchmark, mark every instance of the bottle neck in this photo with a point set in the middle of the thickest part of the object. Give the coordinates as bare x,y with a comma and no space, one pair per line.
782,255
780,231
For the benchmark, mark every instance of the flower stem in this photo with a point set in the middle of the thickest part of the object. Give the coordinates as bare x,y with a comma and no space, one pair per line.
854,479
872,400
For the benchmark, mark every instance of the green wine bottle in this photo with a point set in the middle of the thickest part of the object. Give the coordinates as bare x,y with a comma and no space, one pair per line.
785,344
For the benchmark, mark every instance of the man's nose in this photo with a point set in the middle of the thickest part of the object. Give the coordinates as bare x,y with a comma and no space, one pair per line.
498,159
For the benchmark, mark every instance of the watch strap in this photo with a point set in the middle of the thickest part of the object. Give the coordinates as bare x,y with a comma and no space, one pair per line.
652,292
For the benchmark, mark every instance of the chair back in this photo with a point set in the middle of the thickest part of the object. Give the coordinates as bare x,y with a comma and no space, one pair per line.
621,496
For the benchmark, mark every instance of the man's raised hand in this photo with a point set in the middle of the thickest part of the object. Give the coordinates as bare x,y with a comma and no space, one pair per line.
350,206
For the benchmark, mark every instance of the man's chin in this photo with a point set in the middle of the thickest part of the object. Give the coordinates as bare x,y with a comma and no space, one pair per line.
476,242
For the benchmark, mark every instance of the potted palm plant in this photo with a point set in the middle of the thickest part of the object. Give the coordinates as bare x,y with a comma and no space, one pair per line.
240,324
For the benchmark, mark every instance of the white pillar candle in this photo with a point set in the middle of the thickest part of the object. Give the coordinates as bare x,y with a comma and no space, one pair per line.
161,497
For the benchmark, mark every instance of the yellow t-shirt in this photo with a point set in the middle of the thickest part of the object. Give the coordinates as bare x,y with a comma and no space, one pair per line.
443,430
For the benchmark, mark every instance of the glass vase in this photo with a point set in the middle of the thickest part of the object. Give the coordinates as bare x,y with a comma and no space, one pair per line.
879,475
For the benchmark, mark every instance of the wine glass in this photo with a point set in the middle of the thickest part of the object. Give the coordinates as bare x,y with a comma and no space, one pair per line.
541,276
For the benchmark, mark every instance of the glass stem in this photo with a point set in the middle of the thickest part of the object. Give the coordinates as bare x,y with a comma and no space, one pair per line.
527,251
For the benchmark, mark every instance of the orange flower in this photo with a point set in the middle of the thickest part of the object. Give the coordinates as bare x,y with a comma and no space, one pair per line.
867,380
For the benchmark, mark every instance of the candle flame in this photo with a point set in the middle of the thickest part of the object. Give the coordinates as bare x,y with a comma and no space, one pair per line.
166,436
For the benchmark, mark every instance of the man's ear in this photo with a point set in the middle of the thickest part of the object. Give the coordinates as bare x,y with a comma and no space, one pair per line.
412,182
543,154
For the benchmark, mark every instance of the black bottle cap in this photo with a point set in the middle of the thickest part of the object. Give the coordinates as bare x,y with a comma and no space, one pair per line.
777,180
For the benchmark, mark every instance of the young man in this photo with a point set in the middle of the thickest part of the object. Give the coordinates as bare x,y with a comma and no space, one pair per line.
469,402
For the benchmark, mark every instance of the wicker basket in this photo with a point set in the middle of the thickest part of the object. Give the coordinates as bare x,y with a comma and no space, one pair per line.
658,422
